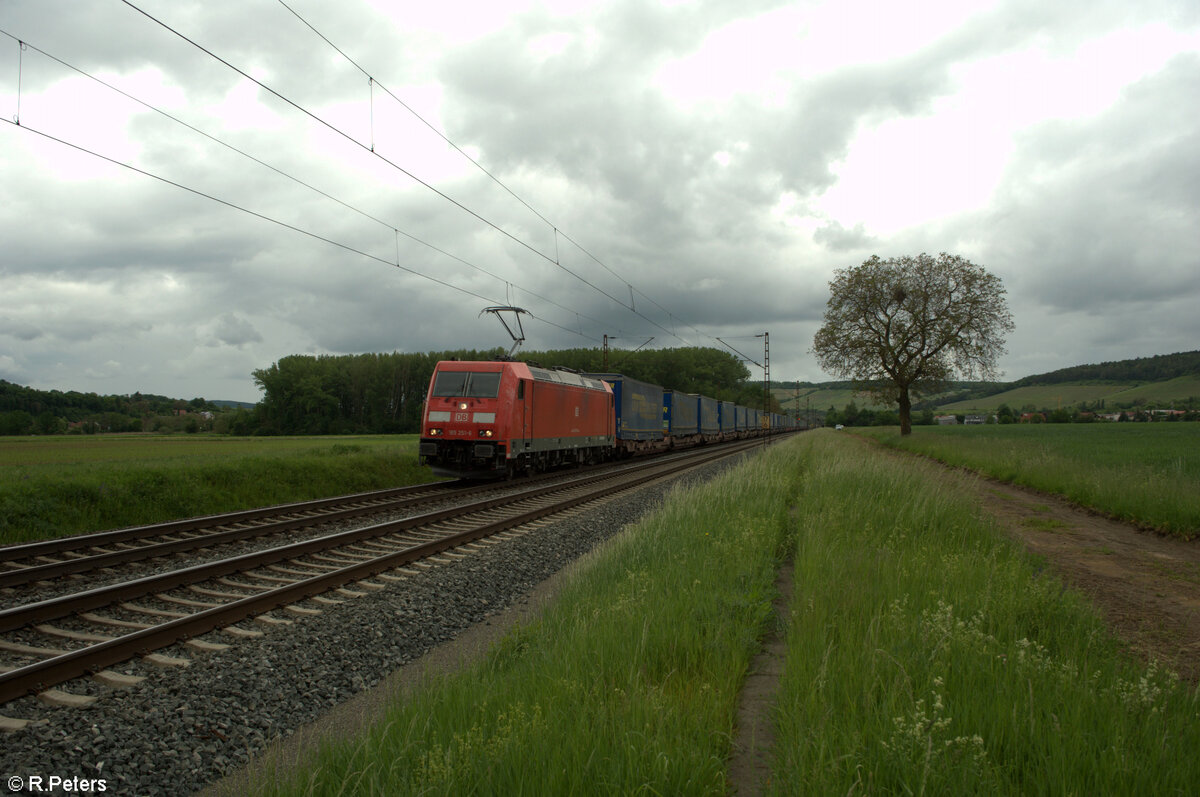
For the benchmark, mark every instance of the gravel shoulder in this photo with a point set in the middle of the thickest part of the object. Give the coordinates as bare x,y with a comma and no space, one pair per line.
284,754
185,729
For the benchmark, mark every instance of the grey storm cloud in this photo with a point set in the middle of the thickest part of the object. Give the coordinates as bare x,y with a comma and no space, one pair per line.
234,330
694,218
1109,205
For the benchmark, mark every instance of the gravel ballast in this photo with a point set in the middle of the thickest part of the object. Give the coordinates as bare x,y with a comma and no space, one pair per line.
185,728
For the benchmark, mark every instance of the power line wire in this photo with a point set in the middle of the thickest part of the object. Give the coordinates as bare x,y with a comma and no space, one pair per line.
25,45
374,81
388,161
264,217
351,139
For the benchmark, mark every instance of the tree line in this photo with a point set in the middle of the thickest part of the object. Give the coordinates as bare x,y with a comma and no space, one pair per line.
382,393
1141,369
852,415
352,393
26,410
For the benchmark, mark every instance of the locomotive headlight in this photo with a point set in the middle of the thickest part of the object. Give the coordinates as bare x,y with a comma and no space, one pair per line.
435,432
462,405
485,432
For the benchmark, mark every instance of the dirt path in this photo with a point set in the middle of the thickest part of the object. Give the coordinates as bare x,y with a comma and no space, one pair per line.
1147,586
754,734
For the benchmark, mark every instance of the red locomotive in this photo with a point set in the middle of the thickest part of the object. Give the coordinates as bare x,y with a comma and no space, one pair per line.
495,419
499,418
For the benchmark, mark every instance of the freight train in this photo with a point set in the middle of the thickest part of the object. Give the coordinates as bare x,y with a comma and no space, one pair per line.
503,418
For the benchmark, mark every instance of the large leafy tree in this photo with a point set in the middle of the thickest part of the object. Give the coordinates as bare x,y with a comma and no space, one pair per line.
906,326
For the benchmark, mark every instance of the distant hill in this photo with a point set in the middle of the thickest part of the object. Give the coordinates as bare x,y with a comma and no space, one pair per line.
233,405
1181,392
1163,380
1159,368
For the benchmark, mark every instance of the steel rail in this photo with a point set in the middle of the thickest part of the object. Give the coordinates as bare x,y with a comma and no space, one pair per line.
41,675
25,575
100,539
54,608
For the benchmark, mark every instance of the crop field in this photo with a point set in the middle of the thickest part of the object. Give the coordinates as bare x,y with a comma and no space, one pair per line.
1178,389
1041,396
1051,397
1145,473
822,399
55,486
26,453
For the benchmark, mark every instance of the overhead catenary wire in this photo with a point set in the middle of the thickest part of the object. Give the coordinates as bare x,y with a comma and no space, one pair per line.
216,140
374,81
33,130
388,161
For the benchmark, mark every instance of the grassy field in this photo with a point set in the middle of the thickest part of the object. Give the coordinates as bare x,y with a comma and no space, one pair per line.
1051,397
820,399
1146,473
927,654
1178,389
55,486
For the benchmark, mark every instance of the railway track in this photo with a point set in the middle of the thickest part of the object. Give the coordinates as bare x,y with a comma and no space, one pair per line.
51,559
55,640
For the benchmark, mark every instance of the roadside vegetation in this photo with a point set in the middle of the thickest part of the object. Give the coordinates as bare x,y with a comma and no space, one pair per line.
57,486
926,654
1144,473
628,684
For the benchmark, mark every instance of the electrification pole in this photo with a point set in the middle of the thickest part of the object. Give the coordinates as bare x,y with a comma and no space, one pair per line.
766,336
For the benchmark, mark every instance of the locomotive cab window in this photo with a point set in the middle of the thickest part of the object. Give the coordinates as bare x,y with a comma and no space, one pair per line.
454,384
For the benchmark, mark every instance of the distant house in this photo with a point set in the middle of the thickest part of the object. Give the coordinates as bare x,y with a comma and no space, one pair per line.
945,420
975,420
1033,417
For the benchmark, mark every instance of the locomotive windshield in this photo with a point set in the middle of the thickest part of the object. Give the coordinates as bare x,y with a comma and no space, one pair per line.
452,384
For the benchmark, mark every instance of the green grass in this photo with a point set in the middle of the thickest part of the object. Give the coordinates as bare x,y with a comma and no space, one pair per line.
927,654
1178,389
821,399
1040,396
20,456
56,486
1146,473
626,685
1050,397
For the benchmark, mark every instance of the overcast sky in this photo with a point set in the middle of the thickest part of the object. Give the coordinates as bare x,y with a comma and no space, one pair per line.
677,170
